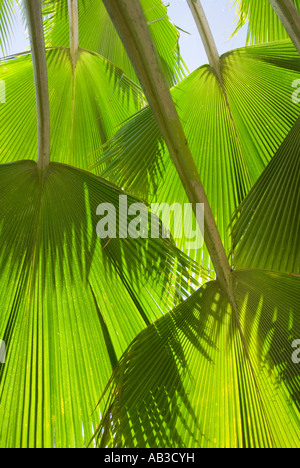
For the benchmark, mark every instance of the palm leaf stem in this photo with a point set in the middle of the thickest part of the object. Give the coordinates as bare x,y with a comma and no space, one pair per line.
206,36
129,20
290,19
74,30
211,51
36,33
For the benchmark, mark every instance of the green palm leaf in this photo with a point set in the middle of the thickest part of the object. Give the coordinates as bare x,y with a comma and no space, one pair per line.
70,302
213,380
84,114
267,233
7,11
97,33
231,142
263,23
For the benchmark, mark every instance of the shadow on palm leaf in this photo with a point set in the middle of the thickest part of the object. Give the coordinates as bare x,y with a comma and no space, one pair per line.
59,220
265,231
233,383
71,296
270,322
189,380
149,398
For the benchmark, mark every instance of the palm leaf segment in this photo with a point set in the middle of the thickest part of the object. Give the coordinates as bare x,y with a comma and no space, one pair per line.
224,374
83,117
187,380
263,23
7,12
231,142
70,302
97,34
87,108
266,232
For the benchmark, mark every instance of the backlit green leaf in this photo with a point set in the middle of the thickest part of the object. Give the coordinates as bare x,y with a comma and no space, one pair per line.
199,377
70,303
